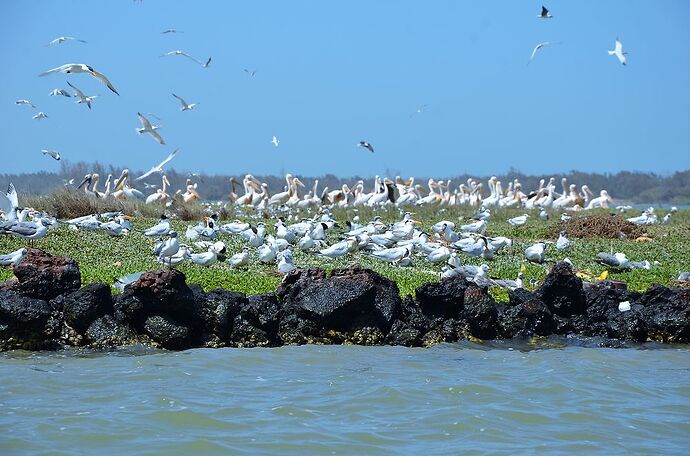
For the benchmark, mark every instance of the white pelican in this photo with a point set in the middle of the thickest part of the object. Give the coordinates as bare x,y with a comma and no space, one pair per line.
366,145
62,39
185,106
40,115
601,201
59,92
161,195
544,13
159,167
81,68
618,52
150,129
53,153
24,103
12,258
87,99
275,141
183,54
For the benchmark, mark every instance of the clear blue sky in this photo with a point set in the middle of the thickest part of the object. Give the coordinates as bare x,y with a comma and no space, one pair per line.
332,73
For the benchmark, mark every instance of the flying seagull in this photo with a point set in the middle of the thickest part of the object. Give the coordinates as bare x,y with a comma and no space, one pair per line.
53,153
62,39
159,167
366,145
40,115
619,52
208,62
59,92
171,31
81,68
24,103
536,48
148,128
275,141
544,13
185,106
183,54
87,99
250,72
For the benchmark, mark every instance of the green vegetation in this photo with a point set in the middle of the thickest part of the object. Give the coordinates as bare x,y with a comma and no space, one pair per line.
103,258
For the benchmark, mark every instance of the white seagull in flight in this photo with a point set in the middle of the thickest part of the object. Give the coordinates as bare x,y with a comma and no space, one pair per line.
185,106
40,115
53,153
275,141
81,68
62,39
24,103
159,167
86,99
150,129
536,48
59,92
366,145
183,54
619,52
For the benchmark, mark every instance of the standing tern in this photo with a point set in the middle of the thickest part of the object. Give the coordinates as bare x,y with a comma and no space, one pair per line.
40,115
87,99
185,106
150,129
53,153
159,167
619,52
81,68
59,92
62,39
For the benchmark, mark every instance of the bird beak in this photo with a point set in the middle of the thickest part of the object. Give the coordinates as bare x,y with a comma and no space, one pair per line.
118,184
86,180
416,222
128,217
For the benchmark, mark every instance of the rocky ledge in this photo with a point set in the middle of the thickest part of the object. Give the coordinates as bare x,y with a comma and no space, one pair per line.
44,308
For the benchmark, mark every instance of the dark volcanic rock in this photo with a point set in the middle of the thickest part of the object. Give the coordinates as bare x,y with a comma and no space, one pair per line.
348,300
261,311
168,333
526,319
217,310
666,312
161,292
43,276
480,312
562,291
296,280
23,318
442,299
85,305
108,332
402,334
294,330
605,320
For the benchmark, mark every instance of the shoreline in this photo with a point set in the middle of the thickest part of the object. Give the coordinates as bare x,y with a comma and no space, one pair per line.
44,308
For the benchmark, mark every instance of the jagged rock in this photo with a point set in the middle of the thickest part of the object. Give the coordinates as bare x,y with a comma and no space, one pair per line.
402,334
262,311
294,330
562,291
518,296
41,275
217,310
480,312
527,319
666,312
108,332
605,320
85,305
298,279
244,334
442,299
348,300
168,333
24,319
161,292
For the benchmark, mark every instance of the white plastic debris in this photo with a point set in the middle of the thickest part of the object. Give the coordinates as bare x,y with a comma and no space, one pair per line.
624,306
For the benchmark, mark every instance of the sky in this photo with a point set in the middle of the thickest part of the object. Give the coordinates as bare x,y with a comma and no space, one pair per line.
329,74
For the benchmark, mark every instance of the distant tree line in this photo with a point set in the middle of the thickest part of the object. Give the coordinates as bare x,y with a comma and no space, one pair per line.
624,186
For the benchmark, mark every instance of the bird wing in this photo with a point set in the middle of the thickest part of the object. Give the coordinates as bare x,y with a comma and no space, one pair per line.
60,69
144,121
157,137
78,92
619,47
146,174
190,57
167,159
101,77
12,195
544,11
184,103
208,62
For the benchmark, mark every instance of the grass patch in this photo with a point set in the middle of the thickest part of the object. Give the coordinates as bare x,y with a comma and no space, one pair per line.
103,258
